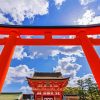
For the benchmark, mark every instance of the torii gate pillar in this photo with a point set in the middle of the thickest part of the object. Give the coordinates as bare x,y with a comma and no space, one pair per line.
91,55
6,56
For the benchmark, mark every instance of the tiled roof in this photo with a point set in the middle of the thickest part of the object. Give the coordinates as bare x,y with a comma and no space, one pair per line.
47,74
10,96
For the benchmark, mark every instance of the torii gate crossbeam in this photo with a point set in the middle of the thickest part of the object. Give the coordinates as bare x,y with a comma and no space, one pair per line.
48,32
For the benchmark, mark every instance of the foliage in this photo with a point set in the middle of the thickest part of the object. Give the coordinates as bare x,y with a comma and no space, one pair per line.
82,91
70,90
87,90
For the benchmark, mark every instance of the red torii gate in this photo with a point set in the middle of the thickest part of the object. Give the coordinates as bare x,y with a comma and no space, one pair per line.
81,39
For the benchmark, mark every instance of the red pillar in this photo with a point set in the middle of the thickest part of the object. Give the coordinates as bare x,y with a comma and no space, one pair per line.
35,95
5,57
91,55
61,95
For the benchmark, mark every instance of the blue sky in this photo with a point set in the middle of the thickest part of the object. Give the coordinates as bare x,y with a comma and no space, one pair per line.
70,61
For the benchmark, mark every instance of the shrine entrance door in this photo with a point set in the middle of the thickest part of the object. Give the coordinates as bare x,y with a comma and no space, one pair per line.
48,98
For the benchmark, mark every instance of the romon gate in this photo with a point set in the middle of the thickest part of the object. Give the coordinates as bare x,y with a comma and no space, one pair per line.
81,39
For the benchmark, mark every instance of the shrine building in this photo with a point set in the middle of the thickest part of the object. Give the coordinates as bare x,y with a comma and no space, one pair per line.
47,86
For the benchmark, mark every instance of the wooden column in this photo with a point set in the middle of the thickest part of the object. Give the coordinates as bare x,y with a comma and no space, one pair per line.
61,95
35,95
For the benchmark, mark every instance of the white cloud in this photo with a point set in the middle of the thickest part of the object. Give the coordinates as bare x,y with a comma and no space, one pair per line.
68,47
26,89
19,53
85,2
73,80
3,19
18,74
88,76
40,51
54,53
86,18
68,51
89,17
67,66
21,9
58,3
45,51
34,55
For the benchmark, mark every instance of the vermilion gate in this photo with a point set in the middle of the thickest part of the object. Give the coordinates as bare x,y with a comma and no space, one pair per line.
48,32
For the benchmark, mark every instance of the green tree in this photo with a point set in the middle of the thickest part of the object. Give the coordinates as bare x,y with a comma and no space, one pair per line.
92,89
82,91
88,90
71,90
